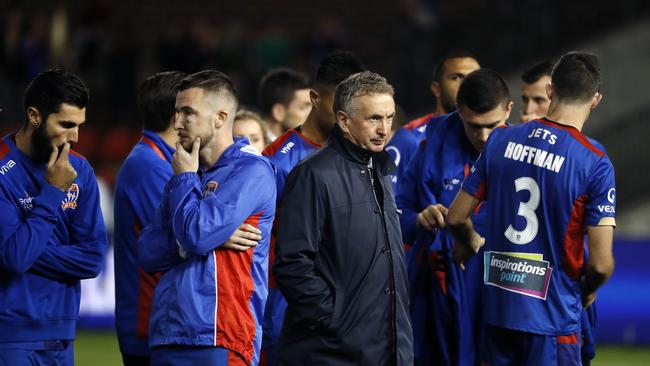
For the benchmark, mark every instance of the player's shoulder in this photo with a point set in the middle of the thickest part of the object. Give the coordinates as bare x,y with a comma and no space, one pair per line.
282,145
419,122
578,139
79,162
249,158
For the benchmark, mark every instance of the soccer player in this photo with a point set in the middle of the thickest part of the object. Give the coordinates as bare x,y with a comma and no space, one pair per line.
137,194
291,148
209,305
444,300
52,231
284,100
535,105
447,76
545,184
534,100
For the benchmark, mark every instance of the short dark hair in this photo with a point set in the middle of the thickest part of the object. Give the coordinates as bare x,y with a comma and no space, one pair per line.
535,72
52,88
357,85
336,67
278,86
156,99
439,67
482,91
576,77
211,81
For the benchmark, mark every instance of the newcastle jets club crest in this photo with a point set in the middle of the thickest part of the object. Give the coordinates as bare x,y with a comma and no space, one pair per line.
71,197
209,187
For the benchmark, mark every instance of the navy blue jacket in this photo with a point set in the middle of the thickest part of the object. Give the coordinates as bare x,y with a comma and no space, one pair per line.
340,262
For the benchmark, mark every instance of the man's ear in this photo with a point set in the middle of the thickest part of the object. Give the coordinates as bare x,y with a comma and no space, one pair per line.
596,100
278,112
549,91
34,117
435,89
314,97
509,108
222,116
344,121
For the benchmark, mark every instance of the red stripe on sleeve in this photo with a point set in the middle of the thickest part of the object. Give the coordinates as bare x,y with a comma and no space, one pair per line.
481,192
235,322
568,339
574,240
146,285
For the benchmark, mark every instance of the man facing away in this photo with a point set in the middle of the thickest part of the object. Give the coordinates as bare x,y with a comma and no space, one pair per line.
208,306
549,186
287,151
535,103
339,262
52,232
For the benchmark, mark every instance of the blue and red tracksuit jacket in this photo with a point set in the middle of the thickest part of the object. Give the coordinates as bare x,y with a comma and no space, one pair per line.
285,153
404,143
49,240
444,299
138,191
211,297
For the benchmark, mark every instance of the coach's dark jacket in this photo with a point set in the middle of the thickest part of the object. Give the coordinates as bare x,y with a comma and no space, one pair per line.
340,263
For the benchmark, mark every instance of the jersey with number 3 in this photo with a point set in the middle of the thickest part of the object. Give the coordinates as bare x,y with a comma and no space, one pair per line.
547,183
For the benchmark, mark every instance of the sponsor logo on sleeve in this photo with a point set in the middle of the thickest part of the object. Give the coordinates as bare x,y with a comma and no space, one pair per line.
524,273
209,187
611,197
71,197
5,167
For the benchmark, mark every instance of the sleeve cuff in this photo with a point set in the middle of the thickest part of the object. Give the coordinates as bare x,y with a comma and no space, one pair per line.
51,197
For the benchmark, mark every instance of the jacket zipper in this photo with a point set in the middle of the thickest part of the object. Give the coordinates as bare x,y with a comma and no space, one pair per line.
389,253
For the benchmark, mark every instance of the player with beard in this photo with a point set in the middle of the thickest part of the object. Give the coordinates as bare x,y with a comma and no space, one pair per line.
52,234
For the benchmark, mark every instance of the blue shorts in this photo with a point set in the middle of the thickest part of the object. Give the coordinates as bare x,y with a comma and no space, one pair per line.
190,356
59,353
510,347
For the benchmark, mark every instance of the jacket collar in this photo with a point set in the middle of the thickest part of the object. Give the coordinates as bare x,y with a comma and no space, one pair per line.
166,150
239,148
382,160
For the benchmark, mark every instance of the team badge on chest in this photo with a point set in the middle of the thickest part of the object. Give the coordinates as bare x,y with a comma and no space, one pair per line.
209,187
71,197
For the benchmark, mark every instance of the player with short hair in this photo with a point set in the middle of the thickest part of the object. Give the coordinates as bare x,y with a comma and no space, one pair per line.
444,300
448,73
52,232
283,96
546,185
291,148
534,100
535,105
208,307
